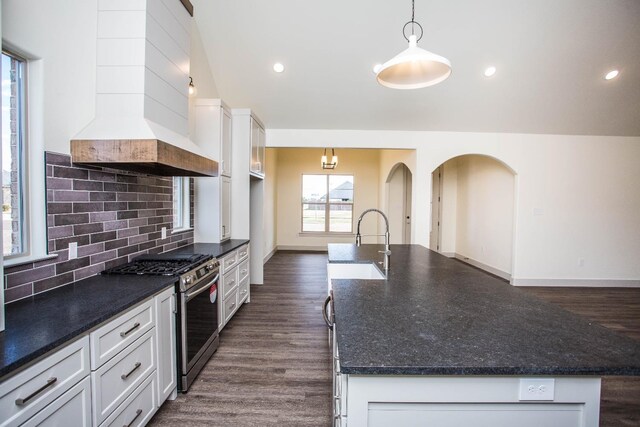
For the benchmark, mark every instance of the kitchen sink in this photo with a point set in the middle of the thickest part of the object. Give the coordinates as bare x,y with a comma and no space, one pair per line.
354,271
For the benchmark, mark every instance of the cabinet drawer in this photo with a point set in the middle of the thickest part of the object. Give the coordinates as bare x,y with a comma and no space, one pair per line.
116,379
72,409
230,305
229,261
229,283
243,270
28,392
110,339
243,290
138,408
243,253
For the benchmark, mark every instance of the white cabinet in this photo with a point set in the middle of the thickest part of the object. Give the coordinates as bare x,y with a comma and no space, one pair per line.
213,132
212,216
165,305
119,374
258,142
225,209
234,283
36,388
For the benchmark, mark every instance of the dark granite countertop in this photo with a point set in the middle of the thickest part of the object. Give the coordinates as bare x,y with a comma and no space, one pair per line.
437,316
218,250
37,325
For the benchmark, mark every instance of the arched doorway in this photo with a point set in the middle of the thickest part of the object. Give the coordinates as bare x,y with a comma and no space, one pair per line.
473,206
398,206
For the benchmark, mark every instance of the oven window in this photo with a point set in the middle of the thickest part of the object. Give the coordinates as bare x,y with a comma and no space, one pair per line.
202,322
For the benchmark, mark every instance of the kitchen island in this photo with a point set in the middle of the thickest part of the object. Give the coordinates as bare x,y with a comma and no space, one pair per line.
440,341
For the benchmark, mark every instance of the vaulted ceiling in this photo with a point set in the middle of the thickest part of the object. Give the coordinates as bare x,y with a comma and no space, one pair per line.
551,57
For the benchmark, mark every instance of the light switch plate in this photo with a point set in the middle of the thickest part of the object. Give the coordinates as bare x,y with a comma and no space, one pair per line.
163,233
73,250
537,389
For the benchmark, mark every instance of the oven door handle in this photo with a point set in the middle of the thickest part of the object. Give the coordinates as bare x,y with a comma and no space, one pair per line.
198,291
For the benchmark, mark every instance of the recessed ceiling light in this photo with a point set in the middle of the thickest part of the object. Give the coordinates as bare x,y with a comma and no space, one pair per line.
278,67
489,71
377,68
611,75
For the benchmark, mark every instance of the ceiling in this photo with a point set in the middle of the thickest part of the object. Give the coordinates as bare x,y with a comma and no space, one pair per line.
551,57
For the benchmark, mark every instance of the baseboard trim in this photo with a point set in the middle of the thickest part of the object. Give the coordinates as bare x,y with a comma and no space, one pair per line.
302,248
482,266
578,283
269,255
448,254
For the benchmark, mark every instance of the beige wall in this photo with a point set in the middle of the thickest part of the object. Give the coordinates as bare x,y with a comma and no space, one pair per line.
389,159
292,163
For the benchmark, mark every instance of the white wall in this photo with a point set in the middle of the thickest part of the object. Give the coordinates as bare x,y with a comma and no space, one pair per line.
389,159
449,200
270,217
484,214
293,163
584,190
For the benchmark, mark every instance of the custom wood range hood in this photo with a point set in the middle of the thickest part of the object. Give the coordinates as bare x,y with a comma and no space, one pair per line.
150,156
142,101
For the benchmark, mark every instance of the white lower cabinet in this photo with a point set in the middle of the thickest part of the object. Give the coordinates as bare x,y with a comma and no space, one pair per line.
37,387
72,409
118,375
234,283
165,305
138,408
114,381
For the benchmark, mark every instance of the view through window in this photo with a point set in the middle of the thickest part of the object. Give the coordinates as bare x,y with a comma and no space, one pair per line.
13,163
327,203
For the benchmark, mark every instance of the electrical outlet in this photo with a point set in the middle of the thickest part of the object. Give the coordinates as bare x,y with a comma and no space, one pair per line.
537,389
73,250
163,233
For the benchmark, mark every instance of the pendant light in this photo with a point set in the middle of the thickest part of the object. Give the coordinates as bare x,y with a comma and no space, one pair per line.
414,67
334,160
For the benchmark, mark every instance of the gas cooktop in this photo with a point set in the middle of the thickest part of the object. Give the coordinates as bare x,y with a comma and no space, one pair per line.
160,264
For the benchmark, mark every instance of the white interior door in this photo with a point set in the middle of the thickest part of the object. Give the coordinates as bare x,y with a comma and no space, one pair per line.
436,209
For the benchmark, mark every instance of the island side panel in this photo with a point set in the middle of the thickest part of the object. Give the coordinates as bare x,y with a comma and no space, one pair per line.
490,401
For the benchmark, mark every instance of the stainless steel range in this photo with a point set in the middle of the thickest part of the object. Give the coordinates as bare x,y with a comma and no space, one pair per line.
197,315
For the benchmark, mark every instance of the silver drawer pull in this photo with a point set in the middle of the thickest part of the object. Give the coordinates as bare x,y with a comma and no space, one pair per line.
138,412
128,331
231,306
21,401
244,292
244,271
242,254
125,376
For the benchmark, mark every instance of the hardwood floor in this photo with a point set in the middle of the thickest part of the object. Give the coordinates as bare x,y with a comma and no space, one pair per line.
273,364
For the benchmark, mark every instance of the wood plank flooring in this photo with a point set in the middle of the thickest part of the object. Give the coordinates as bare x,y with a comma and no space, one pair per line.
273,364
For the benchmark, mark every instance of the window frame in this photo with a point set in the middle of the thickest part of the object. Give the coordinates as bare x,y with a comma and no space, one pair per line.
183,205
23,153
327,206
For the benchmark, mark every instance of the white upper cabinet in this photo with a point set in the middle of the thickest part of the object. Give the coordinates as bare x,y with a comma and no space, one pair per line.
258,140
213,132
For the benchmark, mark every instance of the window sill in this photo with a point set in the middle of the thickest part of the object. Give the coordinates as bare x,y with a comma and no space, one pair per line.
324,234
181,230
12,262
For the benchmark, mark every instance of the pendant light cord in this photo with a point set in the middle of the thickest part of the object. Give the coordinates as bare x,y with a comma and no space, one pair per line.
413,23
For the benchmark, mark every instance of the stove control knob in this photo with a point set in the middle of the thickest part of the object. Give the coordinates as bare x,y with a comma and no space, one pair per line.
210,267
188,279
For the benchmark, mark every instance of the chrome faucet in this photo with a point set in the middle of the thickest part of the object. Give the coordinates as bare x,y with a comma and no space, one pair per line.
387,251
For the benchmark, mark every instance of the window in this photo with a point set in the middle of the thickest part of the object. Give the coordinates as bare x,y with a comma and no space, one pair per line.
327,203
13,155
180,203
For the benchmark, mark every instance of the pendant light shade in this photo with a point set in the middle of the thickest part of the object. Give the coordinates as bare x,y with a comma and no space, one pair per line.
414,67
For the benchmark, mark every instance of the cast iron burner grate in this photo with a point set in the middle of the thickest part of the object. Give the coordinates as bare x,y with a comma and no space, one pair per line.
160,264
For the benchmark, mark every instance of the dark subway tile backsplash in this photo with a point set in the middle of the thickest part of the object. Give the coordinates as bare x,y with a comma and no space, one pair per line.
112,216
